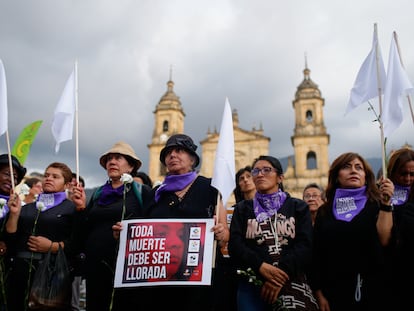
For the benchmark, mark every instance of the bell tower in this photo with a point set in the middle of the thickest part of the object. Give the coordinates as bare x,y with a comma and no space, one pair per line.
310,139
169,119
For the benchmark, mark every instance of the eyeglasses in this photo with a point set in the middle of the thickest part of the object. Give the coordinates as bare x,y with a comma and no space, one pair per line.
403,174
265,171
311,196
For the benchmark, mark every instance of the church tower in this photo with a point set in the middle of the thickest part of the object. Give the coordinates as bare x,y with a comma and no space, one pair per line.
310,140
169,119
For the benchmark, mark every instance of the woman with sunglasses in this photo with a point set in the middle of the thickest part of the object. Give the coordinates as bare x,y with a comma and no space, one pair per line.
271,238
401,172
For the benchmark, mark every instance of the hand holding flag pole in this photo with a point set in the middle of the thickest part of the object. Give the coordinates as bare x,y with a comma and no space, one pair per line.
369,84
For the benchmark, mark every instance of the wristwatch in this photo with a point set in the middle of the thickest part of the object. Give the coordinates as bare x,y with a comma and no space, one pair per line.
386,208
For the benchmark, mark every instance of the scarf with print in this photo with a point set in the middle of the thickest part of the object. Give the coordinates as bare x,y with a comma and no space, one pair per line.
4,209
173,183
348,203
47,201
400,195
266,205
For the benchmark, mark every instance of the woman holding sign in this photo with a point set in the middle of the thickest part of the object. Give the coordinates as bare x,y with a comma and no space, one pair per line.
184,194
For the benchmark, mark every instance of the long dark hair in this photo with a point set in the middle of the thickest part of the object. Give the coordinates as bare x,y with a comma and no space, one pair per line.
397,160
372,191
238,195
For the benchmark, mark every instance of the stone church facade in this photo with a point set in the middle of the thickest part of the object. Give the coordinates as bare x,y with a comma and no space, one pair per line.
310,140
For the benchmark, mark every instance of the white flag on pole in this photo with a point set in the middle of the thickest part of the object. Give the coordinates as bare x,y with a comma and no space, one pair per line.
366,83
224,166
3,100
62,127
397,88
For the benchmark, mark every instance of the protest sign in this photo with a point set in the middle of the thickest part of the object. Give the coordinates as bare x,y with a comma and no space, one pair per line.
165,252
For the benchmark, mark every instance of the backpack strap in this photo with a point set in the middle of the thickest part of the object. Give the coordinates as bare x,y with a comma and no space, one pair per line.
137,188
97,193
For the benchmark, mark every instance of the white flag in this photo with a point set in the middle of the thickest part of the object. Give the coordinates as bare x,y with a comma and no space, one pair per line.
366,84
3,100
224,165
62,127
397,88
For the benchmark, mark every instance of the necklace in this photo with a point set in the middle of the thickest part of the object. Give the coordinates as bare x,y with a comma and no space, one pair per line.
181,193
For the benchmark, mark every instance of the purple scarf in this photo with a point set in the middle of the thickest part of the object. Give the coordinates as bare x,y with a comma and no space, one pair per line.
400,195
348,203
50,200
173,183
5,208
109,194
266,205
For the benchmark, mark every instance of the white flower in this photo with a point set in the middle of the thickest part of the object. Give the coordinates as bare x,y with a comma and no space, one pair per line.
40,206
24,189
126,178
2,202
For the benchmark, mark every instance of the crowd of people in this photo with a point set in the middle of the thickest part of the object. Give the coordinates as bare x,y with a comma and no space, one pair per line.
335,248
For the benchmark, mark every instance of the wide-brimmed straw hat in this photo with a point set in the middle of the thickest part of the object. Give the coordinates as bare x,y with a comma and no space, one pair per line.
182,141
20,170
126,150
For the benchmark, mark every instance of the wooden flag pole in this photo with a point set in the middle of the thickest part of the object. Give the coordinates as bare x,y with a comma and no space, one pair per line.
10,159
217,219
384,169
76,122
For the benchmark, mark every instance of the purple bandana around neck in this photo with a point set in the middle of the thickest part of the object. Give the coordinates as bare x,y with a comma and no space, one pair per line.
5,209
50,200
400,195
348,203
173,183
266,205
109,194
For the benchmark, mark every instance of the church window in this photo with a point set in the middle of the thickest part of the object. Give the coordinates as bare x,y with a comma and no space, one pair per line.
165,126
309,116
311,161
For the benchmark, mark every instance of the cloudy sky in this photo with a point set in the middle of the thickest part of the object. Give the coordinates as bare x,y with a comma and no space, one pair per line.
253,52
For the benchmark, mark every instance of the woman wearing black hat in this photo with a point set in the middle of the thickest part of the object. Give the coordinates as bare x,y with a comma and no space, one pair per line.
95,236
183,194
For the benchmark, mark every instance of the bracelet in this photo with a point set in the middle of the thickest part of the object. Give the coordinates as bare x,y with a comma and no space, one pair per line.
386,208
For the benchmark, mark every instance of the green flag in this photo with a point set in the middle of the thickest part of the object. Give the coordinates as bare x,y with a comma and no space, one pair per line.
23,143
